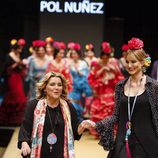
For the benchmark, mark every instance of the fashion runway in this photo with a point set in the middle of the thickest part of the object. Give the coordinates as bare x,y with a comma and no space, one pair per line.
87,147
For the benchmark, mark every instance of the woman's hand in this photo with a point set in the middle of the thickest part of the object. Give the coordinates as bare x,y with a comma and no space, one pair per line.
86,124
25,149
89,124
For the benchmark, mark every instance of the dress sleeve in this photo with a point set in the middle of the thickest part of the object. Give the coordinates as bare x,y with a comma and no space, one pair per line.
27,124
106,127
74,122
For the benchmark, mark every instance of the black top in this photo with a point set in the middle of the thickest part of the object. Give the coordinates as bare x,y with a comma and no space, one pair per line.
58,125
143,141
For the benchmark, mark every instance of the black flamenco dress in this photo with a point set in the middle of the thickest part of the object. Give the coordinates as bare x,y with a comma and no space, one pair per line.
14,102
143,141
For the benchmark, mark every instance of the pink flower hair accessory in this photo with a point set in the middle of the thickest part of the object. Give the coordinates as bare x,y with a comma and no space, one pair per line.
59,45
56,44
135,43
71,45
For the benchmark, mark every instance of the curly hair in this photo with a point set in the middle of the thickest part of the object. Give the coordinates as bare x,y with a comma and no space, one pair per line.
41,85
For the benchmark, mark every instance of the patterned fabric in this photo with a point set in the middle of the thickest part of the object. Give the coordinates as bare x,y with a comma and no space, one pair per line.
38,126
105,127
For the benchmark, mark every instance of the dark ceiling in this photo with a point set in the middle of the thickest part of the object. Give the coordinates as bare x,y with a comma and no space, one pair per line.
140,19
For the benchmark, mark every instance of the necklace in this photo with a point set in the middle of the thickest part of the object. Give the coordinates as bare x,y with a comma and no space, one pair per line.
130,113
51,138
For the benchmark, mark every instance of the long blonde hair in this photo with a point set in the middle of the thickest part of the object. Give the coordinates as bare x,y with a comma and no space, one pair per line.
41,85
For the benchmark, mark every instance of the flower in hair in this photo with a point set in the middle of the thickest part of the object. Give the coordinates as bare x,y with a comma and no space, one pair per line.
56,44
147,61
49,40
31,49
124,47
62,45
70,45
77,46
21,42
89,46
135,43
13,42
38,43
59,45
106,48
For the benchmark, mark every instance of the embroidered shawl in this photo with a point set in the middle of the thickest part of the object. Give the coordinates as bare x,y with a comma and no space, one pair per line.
38,126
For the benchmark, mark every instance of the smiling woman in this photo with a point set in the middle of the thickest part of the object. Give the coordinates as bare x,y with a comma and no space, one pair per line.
135,111
51,124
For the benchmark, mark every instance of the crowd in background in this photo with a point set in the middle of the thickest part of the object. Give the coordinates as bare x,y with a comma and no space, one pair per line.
91,80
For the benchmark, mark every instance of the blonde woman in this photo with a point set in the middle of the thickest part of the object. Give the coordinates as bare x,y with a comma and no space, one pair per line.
135,111
51,124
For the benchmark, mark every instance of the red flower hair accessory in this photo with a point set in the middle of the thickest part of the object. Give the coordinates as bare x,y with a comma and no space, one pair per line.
94,63
77,47
21,42
71,45
135,43
49,40
89,47
125,47
106,48
62,45
38,43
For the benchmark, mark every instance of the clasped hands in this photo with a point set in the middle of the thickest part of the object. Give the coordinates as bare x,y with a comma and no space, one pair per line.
86,124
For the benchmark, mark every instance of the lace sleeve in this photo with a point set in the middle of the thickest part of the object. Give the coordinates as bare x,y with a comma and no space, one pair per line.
105,127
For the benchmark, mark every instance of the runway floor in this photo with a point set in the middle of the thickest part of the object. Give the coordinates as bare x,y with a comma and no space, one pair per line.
87,147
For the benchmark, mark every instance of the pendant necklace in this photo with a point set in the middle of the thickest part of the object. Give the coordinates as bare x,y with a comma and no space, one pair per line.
51,138
130,113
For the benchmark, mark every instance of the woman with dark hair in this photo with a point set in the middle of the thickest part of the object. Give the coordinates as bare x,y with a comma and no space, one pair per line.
59,64
37,66
51,124
13,105
49,48
135,113
79,71
89,55
103,77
